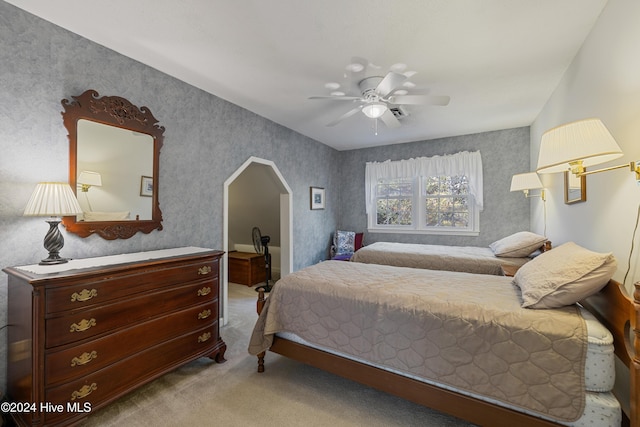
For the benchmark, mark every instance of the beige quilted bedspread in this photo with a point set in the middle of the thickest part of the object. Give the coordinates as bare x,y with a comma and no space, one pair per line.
464,330
470,259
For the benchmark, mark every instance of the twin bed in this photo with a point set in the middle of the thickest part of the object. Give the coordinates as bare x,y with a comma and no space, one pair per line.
462,343
511,251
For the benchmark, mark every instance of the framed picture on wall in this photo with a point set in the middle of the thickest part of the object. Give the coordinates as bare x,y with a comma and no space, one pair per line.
317,198
146,186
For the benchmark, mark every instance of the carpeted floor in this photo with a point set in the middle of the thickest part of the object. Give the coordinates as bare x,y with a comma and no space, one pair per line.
288,393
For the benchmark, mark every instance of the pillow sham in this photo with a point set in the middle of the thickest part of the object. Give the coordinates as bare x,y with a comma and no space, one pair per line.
563,276
517,245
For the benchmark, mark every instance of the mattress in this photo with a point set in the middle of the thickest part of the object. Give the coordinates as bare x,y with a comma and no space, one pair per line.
601,409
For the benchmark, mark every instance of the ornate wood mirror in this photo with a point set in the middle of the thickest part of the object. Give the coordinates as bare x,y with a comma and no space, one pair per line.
114,153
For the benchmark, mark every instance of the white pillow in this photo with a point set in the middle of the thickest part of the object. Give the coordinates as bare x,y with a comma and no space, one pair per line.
518,245
563,276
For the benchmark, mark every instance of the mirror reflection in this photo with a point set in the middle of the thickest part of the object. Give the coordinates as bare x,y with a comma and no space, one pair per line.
114,169
575,188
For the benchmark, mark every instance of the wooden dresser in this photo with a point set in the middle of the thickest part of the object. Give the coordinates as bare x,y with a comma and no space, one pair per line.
87,334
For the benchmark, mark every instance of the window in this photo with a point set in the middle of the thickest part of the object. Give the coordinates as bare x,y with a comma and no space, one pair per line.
437,195
394,202
447,201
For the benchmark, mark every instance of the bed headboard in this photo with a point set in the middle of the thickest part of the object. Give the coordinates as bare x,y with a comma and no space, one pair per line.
619,313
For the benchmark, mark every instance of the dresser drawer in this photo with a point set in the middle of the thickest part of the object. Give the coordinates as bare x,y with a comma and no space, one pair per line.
106,384
80,360
85,324
105,288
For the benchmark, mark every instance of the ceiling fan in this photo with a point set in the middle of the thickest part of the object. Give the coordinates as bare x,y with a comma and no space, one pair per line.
379,96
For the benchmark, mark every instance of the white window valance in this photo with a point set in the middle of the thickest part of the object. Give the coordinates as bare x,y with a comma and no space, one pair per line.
463,163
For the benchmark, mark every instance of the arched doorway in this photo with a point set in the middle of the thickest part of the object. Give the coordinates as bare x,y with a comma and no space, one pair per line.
286,226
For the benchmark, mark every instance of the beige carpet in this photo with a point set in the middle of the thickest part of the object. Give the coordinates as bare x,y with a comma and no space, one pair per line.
204,393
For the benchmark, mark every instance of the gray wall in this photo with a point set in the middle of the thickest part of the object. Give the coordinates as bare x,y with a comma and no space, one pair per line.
504,153
206,140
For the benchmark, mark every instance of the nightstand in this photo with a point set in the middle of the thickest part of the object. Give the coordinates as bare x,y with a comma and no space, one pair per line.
510,270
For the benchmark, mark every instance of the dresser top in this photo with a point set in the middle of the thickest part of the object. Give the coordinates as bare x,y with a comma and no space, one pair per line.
111,260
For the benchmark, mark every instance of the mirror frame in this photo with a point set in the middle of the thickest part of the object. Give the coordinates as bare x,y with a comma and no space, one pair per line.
118,112
583,189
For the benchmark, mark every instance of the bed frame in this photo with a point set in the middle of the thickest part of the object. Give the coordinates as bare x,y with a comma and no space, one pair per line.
612,306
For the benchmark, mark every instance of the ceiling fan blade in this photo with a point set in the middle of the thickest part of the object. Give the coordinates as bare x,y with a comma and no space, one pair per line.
337,98
390,82
345,115
419,100
389,119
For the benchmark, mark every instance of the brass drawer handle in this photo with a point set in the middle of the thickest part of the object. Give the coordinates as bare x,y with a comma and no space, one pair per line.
204,314
83,325
204,291
204,337
84,358
204,270
84,391
84,295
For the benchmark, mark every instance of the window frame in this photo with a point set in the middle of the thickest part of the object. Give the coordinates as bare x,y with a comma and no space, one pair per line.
419,214
465,163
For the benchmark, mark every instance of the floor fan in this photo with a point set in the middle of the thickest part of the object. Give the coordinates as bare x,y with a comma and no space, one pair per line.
261,245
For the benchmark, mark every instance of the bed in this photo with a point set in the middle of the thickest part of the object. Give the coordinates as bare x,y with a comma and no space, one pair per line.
295,323
511,251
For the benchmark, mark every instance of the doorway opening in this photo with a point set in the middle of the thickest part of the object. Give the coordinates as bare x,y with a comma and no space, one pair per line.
264,174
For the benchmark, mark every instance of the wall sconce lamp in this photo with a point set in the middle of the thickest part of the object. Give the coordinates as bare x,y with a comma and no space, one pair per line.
53,199
88,179
577,145
528,181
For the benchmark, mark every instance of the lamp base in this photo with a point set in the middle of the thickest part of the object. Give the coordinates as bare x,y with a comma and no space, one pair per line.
53,242
53,259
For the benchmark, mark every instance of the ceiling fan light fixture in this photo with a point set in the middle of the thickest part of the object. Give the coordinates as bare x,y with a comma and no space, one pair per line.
374,110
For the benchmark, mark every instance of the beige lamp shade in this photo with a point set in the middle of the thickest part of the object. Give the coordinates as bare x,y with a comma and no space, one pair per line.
90,178
52,199
586,140
525,181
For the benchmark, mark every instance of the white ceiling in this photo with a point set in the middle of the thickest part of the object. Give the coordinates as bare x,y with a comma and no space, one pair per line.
499,60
